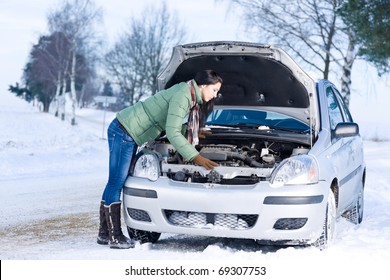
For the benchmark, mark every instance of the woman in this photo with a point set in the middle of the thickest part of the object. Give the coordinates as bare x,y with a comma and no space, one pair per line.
143,122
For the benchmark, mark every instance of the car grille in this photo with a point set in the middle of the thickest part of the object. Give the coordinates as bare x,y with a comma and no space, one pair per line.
210,220
139,215
239,180
290,223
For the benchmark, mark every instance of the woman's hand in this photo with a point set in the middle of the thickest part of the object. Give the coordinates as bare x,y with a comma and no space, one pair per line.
205,162
204,133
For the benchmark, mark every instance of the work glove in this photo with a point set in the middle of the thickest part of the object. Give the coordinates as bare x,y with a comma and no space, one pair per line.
205,162
204,133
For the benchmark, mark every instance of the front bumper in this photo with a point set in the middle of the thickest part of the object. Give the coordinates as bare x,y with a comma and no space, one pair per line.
292,213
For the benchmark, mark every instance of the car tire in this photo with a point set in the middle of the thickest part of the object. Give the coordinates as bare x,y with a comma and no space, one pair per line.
356,214
329,223
143,236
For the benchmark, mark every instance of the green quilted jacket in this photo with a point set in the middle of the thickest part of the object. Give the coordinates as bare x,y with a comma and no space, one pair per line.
165,110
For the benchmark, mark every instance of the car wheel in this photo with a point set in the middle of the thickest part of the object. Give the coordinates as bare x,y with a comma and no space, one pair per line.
329,223
143,236
356,214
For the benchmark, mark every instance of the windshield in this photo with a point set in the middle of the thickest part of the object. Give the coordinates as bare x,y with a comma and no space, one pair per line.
243,117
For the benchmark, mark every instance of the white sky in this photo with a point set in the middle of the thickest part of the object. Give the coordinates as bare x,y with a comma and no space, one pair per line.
22,22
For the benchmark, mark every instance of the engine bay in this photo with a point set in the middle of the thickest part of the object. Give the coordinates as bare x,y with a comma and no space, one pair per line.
241,161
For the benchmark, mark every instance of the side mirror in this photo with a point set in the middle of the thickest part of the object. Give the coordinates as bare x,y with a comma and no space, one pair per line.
347,129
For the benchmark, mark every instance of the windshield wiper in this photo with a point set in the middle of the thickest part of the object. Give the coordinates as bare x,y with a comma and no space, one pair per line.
235,125
288,129
220,125
260,127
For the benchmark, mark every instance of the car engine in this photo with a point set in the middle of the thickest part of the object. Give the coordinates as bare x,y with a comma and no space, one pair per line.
240,163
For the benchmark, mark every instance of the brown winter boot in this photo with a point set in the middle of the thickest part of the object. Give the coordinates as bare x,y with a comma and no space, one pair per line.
102,238
116,239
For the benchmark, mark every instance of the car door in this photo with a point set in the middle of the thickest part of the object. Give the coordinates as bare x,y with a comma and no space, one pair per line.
343,152
354,145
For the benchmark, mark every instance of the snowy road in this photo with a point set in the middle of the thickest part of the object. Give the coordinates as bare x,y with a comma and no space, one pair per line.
52,176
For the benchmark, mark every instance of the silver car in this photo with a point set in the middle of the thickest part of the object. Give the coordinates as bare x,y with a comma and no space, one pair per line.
290,155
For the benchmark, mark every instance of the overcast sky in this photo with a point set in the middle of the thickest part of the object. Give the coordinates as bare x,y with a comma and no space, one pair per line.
22,22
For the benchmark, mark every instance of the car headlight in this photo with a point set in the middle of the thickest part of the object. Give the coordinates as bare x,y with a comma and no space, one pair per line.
297,170
147,166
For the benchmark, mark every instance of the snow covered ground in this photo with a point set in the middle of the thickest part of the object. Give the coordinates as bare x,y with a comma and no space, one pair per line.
51,178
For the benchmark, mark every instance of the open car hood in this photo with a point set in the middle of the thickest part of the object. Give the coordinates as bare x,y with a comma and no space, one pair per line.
253,75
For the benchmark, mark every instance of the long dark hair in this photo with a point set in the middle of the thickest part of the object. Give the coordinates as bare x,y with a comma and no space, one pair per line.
206,77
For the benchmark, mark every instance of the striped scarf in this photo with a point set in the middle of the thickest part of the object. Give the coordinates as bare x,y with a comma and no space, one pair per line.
193,117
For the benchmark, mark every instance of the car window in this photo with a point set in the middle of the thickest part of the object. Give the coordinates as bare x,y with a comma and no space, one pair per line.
344,108
335,115
235,116
254,117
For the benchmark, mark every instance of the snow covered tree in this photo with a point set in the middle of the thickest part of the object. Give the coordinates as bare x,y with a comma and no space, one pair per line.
77,20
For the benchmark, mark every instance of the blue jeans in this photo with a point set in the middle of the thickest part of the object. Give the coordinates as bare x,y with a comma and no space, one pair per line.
122,149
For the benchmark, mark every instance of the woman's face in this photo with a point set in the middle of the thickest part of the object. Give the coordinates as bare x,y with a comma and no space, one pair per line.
210,91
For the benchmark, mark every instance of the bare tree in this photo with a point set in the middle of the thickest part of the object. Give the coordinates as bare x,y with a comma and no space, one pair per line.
312,30
141,53
59,63
45,68
88,91
77,20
